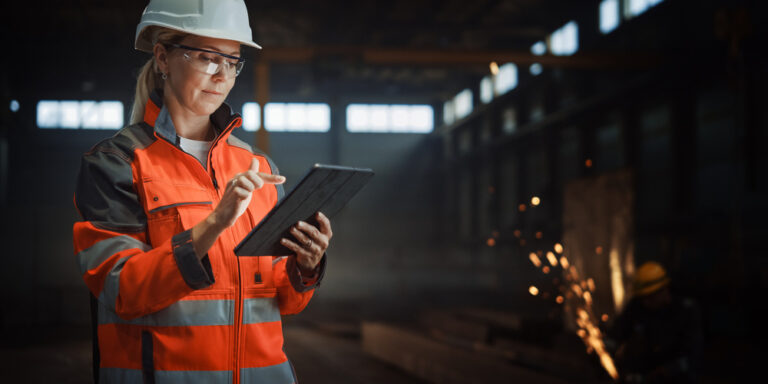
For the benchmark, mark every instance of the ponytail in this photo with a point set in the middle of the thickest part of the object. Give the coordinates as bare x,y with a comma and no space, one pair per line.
149,77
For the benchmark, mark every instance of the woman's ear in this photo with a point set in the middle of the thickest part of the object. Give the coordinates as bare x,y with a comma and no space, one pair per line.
161,57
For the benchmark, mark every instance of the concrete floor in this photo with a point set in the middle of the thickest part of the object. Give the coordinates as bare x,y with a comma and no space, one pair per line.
62,355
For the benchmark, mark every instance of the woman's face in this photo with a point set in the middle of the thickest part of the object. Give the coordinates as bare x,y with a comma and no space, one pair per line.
198,92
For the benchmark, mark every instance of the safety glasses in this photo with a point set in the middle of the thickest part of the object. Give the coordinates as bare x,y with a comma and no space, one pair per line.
212,62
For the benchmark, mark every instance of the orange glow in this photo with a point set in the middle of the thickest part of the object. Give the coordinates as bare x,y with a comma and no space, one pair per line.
522,242
582,333
495,234
564,262
574,272
576,289
604,318
559,299
545,269
533,290
516,233
491,242
599,250
494,68
591,284
521,207
588,298
552,259
535,259
588,163
535,201
539,235
558,248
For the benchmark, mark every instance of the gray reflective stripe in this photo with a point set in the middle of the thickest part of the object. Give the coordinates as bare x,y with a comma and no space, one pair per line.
260,310
178,204
111,289
95,255
119,375
132,376
193,377
179,314
275,261
273,374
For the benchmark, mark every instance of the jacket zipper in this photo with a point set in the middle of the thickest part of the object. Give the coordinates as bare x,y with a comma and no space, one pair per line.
239,297
238,304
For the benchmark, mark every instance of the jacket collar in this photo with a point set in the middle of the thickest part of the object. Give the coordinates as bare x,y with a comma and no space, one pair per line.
157,116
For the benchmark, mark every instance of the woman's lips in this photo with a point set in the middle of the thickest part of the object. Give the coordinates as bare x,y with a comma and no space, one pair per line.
212,92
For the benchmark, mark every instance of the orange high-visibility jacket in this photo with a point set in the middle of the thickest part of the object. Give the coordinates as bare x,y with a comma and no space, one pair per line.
164,315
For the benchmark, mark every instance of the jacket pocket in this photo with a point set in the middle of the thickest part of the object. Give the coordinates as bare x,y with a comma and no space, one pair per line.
163,202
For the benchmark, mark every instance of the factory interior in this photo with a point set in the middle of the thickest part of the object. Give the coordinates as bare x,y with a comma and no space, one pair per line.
533,160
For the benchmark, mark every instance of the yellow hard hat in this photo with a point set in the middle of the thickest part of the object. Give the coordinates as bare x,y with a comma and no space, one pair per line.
649,278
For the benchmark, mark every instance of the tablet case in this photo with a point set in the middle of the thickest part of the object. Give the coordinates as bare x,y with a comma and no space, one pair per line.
324,188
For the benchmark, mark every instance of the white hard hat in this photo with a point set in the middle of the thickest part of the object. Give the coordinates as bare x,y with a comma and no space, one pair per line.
221,19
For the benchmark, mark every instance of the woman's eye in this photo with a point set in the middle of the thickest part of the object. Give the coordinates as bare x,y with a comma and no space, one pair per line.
206,57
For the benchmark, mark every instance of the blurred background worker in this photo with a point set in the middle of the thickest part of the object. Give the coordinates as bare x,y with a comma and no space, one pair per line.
658,336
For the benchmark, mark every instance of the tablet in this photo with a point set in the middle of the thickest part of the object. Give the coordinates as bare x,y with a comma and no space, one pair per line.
324,188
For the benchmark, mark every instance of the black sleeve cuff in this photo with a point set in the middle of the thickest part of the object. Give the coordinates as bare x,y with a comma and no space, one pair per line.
293,274
196,273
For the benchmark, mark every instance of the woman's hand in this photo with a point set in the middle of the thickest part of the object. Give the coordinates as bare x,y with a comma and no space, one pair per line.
311,242
237,194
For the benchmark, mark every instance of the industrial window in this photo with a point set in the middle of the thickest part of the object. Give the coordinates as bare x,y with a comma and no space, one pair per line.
565,41
297,117
633,8
506,80
536,69
609,15
449,115
72,114
486,89
251,116
462,104
390,118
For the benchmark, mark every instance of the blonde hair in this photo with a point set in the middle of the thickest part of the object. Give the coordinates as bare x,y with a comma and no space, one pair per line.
149,76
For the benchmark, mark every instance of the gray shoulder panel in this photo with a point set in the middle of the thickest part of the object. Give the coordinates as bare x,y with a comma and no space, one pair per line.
105,194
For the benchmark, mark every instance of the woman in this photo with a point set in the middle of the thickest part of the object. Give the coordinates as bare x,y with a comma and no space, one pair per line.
165,201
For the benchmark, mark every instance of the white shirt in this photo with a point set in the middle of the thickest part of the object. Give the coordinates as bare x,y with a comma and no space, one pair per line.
197,148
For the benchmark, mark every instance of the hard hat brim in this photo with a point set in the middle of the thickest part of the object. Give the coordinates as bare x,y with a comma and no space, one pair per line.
143,42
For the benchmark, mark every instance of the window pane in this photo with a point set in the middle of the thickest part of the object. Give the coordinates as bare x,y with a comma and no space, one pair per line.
390,118
297,117
69,114
506,79
112,114
463,103
422,118
89,115
609,15
275,116
357,117
565,41
486,90
448,112
48,114
319,117
251,116
539,48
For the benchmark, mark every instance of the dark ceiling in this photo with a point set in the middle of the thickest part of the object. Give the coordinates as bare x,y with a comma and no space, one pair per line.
89,38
